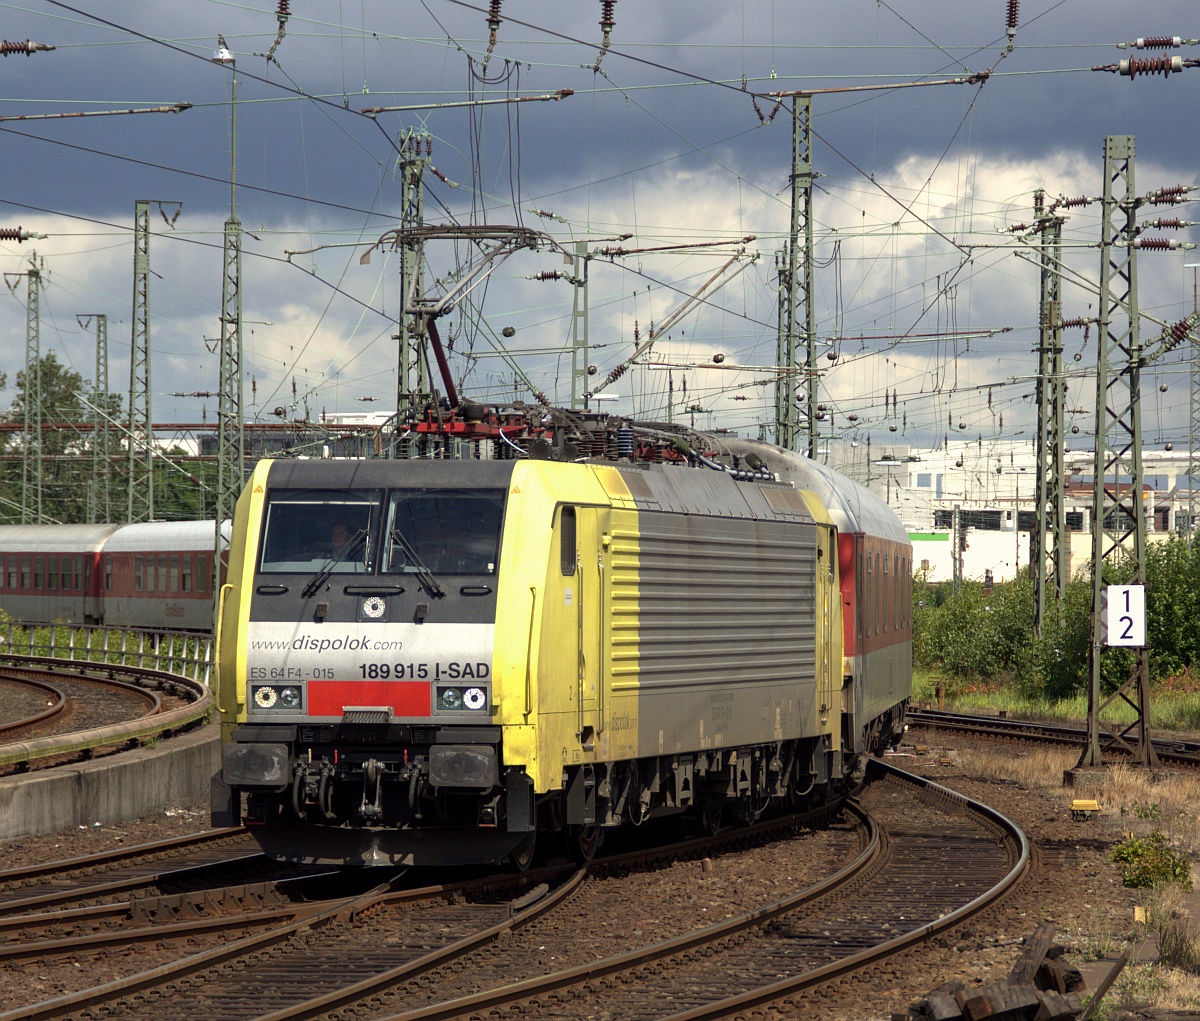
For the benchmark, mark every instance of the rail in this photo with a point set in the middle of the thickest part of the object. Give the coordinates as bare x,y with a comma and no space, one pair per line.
199,707
185,654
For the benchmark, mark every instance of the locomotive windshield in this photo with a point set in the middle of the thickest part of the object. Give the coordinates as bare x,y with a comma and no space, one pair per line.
314,529
451,531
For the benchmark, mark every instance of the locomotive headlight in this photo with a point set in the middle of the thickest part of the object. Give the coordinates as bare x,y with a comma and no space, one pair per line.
289,698
458,699
265,697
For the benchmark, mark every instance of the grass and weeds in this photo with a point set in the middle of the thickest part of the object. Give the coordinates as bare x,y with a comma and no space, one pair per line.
1152,862
1162,813
1174,704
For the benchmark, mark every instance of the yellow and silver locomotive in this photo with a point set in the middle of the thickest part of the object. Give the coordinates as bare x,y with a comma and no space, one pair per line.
437,661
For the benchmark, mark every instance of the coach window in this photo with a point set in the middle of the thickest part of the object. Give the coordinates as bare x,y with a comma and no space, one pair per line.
174,573
3,575
139,569
39,573
52,575
201,573
896,611
567,553
66,573
868,595
886,594
12,572
24,572
108,574
185,578
162,574
78,574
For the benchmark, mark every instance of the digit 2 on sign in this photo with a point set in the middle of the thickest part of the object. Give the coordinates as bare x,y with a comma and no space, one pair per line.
1125,615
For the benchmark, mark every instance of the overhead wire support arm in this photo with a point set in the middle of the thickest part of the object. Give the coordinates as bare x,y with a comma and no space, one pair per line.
709,286
173,108
549,97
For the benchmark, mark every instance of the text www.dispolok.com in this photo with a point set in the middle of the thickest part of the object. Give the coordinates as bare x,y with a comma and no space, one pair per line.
307,643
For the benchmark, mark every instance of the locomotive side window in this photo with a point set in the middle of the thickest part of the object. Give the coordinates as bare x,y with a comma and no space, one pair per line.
446,531
568,555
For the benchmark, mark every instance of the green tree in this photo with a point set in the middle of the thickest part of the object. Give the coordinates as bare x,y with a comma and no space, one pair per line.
64,446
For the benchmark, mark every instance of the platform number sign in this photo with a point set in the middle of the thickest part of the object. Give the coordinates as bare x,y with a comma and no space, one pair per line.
1125,615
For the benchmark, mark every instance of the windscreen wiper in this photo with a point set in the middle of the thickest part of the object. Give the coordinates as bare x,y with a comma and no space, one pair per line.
424,574
350,546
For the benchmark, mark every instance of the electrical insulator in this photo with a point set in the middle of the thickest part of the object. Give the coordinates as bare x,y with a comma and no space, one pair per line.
27,48
17,234
1066,203
283,11
607,21
1131,67
1157,42
1167,223
1157,244
1013,16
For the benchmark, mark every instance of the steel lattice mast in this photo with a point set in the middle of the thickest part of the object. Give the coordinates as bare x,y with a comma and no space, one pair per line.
140,459
1048,544
1118,514
31,461
100,484
231,444
412,373
796,285
1194,446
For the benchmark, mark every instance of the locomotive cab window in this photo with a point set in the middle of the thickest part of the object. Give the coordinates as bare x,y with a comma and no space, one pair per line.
444,531
308,530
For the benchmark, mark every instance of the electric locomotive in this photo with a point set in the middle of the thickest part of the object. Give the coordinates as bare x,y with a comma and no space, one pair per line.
443,661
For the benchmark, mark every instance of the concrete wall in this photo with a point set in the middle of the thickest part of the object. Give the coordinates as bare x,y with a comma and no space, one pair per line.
117,788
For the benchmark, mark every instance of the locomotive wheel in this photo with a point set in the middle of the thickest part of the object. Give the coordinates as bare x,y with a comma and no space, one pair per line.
583,842
522,857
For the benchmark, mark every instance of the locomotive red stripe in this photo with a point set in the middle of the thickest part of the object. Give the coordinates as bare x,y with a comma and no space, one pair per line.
407,698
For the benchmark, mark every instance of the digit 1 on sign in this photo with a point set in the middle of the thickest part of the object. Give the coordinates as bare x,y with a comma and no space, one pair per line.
1125,615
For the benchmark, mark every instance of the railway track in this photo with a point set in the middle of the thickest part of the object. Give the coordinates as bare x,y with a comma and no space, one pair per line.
499,947
27,704
96,709
118,872
1173,750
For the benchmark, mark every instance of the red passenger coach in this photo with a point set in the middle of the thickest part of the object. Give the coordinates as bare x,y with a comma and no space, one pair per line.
157,574
51,572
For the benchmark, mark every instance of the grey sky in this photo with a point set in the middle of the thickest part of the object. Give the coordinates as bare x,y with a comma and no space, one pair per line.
662,142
